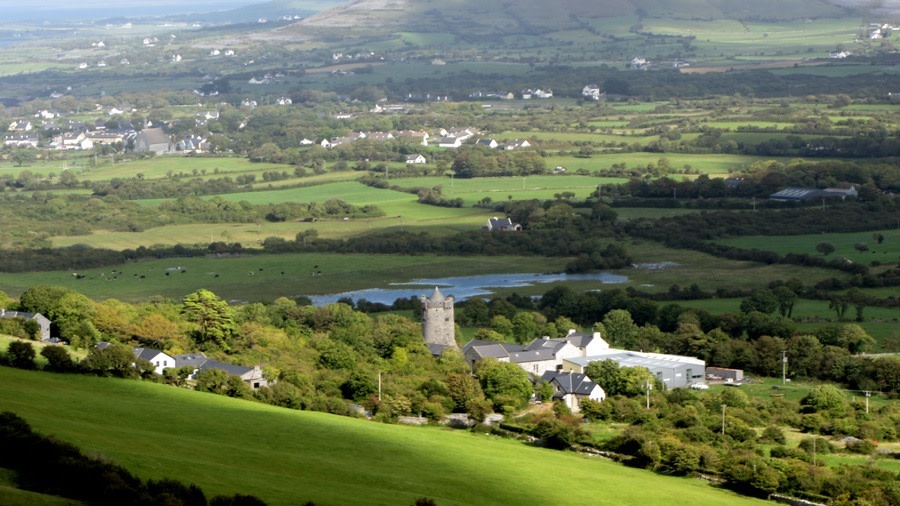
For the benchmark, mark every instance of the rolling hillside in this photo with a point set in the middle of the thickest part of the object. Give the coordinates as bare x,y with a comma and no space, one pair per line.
493,17
229,446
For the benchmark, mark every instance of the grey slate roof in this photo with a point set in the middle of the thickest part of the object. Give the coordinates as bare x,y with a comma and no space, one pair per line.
536,350
154,136
797,194
580,339
570,382
194,360
146,353
236,370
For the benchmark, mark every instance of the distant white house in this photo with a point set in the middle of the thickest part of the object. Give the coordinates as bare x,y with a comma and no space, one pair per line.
22,141
415,159
449,142
591,91
640,63
517,144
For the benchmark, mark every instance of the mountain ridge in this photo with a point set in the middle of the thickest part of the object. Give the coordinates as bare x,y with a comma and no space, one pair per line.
502,17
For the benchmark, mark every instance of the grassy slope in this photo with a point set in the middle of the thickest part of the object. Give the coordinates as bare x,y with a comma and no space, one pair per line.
288,457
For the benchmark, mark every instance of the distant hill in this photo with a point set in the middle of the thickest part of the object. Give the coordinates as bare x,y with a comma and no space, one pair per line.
504,17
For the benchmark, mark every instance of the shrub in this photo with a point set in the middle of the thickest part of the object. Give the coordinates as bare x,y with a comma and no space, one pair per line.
58,359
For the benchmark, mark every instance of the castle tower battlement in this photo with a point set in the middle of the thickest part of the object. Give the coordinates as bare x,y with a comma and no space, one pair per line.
438,326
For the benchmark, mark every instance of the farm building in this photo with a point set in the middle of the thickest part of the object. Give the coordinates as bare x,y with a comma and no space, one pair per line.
152,140
789,194
724,374
673,370
42,321
253,376
503,225
540,355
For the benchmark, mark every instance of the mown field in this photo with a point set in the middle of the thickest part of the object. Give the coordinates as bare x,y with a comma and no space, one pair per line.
229,446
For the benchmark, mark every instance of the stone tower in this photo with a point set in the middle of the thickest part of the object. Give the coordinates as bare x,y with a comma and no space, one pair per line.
437,319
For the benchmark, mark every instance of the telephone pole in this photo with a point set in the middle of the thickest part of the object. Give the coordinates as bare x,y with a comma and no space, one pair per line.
723,419
648,393
783,367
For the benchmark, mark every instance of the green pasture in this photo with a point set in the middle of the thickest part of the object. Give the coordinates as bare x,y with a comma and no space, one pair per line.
638,107
596,138
427,39
634,213
842,69
783,38
760,137
712,163
731,124
398,206
793,390
229,446
707,271
409,216
882,323
160,166
521,188
38,346
259,277
886,252
852,459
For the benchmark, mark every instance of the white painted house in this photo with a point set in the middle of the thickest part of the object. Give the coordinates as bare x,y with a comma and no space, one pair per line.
159,359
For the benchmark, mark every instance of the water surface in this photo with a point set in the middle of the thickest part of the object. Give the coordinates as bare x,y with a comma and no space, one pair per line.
463,287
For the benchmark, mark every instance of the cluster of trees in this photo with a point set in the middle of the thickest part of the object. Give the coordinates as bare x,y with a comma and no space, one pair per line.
484,162
686,433
49,466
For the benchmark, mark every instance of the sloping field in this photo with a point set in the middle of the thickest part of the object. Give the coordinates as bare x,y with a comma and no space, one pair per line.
289,457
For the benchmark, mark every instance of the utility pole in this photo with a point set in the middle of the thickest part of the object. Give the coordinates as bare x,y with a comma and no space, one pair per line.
648,393
723,419
783,367
379,386
867,401
814,451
